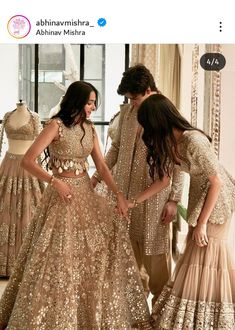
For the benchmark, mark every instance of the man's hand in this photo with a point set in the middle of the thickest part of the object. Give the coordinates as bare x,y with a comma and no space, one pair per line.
169,212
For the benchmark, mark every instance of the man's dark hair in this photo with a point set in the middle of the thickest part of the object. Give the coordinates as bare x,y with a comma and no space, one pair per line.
136,80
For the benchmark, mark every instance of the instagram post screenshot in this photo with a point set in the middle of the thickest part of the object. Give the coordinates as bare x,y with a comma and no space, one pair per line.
117,169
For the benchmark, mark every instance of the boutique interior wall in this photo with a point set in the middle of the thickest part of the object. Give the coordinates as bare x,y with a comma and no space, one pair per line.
226,108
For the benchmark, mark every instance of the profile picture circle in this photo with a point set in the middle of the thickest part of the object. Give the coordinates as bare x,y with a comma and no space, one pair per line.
18,26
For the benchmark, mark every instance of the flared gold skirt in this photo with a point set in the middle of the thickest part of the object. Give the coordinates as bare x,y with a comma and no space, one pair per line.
20,193
76,269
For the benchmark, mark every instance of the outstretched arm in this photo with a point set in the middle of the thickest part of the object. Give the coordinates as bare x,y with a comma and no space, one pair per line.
153,189
170,208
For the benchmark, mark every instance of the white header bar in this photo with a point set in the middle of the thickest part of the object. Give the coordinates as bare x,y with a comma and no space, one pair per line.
122,21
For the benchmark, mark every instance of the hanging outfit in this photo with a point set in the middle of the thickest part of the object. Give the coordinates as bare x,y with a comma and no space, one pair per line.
20,192
201,294
76,269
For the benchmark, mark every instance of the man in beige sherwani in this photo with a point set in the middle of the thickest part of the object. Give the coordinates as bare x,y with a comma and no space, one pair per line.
150,237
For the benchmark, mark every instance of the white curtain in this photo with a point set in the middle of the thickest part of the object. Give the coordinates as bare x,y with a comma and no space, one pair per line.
163,61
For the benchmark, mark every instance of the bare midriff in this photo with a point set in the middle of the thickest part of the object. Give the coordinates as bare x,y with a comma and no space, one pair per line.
18,147
68,174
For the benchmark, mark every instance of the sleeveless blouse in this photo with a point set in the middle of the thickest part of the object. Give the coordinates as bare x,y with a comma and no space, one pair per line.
70,151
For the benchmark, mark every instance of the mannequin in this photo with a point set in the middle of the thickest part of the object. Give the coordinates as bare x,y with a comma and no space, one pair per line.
17,119
20,192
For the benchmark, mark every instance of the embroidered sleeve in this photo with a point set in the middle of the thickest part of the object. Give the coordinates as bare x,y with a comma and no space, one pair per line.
177,185
113,125
201,155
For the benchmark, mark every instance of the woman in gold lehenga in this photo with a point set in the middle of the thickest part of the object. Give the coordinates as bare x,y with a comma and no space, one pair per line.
76,268
201,294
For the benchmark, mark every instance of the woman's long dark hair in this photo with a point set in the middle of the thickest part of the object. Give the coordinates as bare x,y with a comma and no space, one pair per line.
158,116
73,104
74,101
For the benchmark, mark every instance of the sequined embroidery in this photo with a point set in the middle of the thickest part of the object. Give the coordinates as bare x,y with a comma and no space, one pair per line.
171,312
20,192
85,245
70,152
128,155
27,131
200,161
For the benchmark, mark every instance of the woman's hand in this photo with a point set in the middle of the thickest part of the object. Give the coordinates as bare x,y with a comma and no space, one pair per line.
122,205
200,234
94,181
130,204
169,212
63,189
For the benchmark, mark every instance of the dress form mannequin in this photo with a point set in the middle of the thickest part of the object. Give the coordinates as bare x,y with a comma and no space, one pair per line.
20,192
19,118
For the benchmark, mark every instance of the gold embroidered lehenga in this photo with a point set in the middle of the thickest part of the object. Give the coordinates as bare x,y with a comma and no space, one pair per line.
201,294
20,192
76,269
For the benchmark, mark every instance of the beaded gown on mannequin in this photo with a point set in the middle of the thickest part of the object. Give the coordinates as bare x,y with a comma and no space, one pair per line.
20,192
76,268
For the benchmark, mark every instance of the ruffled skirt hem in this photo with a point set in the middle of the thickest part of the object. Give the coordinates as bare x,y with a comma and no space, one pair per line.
201,294
171,312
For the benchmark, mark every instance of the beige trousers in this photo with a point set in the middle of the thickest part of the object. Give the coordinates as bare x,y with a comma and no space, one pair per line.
155,270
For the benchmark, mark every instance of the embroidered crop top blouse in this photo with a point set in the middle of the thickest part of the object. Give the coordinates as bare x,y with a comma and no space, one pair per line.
28,131
70,151
200,161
